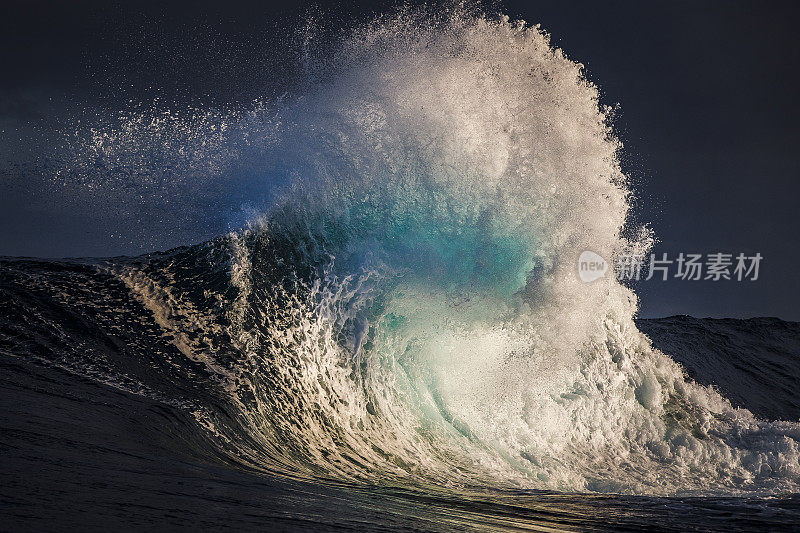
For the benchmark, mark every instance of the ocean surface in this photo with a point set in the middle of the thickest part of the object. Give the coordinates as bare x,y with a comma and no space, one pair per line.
392,334
107,421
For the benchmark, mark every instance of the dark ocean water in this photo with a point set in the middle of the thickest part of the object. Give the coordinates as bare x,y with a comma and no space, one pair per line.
96,434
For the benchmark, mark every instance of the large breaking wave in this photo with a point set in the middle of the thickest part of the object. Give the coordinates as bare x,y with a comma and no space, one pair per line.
403,303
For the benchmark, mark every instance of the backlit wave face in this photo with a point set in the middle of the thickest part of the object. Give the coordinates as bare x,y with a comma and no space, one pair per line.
408,307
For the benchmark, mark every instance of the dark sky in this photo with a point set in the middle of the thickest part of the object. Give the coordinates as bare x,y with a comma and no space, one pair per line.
707,91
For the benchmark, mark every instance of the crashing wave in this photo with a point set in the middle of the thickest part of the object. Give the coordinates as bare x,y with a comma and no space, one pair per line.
408,305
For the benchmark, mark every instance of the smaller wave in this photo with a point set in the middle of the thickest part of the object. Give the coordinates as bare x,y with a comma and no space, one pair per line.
753,362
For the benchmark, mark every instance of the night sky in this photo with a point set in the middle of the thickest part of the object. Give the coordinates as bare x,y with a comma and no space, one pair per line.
708,115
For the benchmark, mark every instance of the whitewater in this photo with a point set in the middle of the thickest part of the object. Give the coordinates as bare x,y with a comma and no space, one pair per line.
399,303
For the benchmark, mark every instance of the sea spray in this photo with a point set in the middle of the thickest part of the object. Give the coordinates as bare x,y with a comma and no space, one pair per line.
405,305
